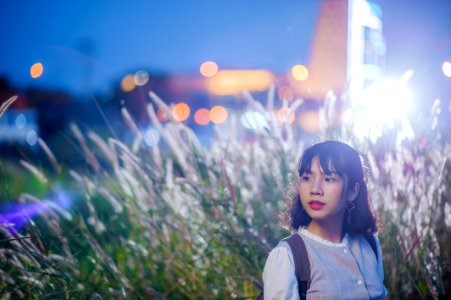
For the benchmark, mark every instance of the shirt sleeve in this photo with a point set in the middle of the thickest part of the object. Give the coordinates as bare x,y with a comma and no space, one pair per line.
279,277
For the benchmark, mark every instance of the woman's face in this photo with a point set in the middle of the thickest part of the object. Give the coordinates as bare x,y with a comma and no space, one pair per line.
321,194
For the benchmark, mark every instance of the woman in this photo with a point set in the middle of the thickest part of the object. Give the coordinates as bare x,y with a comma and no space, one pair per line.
332,214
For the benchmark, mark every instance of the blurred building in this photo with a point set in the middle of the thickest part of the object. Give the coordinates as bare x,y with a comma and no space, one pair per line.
348,49
347,54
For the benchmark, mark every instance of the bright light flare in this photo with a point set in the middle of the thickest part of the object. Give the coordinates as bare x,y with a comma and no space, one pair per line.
388,100
446,68
380,106
209,68
36,70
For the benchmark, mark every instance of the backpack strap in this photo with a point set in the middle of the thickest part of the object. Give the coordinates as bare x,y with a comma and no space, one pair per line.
301,263
372,241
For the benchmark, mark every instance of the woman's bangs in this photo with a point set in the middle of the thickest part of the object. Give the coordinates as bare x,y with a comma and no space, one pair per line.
325,160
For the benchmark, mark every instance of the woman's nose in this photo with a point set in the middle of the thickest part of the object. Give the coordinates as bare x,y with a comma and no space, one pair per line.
316,188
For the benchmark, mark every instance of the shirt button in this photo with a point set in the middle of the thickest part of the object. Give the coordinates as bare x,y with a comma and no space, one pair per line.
345,250
359,282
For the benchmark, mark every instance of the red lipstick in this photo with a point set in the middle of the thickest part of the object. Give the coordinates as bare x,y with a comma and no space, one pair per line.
316,205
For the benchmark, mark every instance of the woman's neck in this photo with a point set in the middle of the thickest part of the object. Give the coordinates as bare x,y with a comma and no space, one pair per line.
328,231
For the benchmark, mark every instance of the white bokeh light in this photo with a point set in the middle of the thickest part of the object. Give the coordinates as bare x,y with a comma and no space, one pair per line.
446,68
141,78
151,137
254,120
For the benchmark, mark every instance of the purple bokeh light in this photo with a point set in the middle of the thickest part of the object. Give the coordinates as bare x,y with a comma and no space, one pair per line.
14,215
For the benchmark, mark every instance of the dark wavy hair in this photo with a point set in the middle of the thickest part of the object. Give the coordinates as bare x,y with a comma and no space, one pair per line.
346,162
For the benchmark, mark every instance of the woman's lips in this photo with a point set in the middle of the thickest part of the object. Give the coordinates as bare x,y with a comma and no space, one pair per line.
316,205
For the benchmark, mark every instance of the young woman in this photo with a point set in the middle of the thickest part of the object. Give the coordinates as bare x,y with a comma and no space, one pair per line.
332,214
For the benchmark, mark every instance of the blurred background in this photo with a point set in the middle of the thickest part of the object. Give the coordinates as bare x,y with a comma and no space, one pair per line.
151,141
76,61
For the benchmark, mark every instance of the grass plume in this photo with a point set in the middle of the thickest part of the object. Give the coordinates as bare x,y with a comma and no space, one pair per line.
187,221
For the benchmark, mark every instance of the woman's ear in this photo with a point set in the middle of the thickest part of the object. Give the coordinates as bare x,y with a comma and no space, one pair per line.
353,192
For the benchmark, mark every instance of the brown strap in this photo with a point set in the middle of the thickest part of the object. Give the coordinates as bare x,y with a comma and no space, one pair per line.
301,263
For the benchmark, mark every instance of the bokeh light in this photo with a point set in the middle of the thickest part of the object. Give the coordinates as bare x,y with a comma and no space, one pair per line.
201,117
446,68
62,198
309,121
232,82
299,72
254,120
21,121
151,137
36,70
209,68
128,83
181,111
218,114
285,115
161,115
141,78
31,137
285,93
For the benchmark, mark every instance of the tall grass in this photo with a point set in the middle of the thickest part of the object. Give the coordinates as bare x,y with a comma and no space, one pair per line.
183,221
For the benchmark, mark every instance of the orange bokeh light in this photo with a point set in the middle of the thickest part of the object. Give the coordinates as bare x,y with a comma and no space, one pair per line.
218,114
231,82
36,70
201,116
285,115
309,121
181,111
128,83
209,68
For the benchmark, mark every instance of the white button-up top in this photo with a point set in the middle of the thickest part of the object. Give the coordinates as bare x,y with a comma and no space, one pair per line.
346,270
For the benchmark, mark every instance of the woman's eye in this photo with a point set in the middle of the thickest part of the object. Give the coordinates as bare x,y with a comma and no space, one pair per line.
329,179
305,178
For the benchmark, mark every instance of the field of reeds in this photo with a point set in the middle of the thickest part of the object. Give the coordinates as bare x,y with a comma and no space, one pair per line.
183,221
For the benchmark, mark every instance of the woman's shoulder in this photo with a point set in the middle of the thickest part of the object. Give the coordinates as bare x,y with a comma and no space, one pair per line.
366,241
278,273
281,249
280,254
368,237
